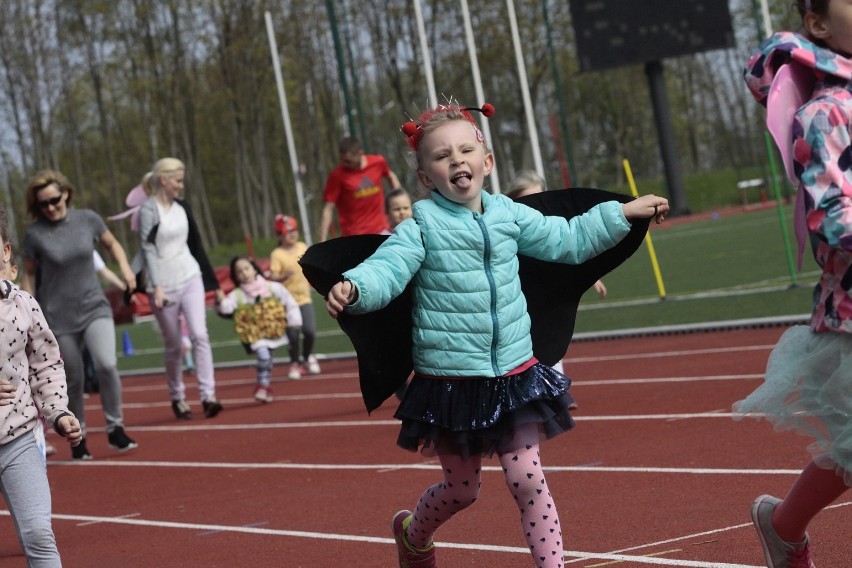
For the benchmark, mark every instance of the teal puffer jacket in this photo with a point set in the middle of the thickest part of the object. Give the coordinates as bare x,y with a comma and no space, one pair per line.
469,315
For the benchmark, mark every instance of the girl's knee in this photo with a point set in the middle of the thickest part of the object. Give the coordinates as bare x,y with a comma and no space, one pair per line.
38,539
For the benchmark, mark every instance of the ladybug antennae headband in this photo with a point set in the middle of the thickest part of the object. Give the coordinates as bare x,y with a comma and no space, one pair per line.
413,130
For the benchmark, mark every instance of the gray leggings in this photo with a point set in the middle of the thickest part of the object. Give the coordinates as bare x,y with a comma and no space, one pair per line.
308,334
99,337
23,480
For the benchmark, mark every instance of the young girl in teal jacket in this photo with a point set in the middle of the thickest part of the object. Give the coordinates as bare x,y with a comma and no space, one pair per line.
477,389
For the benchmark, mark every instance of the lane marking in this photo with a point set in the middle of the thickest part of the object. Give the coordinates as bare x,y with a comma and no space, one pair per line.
380,540
679,353
416,466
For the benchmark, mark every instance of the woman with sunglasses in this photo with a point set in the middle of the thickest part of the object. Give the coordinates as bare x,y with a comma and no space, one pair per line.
59,271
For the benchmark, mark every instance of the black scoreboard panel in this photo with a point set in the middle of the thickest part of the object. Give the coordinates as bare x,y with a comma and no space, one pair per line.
613,33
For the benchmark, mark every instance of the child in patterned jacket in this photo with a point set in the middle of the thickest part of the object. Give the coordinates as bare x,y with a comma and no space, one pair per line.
805,80
32,383
263,312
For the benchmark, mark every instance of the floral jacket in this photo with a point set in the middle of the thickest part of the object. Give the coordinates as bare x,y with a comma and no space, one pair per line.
822,155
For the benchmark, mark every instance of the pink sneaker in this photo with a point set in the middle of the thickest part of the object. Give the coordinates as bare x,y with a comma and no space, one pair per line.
778,553
295,372
410,557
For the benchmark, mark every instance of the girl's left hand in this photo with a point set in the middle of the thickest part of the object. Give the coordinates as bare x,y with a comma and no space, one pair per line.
69,427
7,392
647,207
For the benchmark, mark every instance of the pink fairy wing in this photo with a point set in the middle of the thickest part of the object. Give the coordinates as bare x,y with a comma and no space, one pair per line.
791,88
134,201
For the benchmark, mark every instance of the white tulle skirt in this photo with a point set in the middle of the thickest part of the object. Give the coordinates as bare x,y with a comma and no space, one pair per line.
808,389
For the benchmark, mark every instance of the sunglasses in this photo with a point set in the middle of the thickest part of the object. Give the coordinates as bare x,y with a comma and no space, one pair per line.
52,201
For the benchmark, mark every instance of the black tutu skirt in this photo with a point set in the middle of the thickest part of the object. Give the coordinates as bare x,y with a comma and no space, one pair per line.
481,416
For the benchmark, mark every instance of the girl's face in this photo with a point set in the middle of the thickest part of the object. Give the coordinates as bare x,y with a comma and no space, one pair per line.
454,161
835,27
289,238
245,271
172,184
52,202
399,209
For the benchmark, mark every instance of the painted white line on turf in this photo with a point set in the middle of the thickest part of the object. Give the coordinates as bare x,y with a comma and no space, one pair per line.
418,466
380,540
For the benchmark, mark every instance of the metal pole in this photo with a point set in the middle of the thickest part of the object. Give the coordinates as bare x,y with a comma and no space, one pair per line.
563,114
356,87
477,84
525,89
341,66
665,131
427,59
288,130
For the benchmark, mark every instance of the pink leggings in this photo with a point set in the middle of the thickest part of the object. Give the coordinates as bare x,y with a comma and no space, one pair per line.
188,301
526,482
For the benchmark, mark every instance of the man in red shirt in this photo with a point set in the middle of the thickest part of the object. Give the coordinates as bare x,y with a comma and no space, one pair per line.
354,189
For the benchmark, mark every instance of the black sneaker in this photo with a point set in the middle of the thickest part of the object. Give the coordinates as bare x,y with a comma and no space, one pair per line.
211,407
181,410
120,441
80,451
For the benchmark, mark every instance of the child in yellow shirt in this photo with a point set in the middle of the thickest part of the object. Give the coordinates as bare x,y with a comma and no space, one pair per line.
284,267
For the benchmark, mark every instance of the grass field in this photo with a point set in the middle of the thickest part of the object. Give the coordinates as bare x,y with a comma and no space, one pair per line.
724,267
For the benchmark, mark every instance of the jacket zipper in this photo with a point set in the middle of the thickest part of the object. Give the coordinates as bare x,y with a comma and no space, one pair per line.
495,328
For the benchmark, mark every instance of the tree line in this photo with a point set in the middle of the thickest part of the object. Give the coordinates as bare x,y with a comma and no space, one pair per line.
101,89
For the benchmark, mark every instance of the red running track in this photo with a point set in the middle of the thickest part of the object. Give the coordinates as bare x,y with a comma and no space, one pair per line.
655,473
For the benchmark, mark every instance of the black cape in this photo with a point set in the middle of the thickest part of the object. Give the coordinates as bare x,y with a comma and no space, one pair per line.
382,339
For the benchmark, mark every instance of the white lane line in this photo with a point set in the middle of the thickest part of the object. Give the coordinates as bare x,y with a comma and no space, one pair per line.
418,466
695,535
128,516
679,353
209,529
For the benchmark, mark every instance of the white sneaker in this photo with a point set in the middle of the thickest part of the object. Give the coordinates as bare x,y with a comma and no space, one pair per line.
263,394
313,365
295,372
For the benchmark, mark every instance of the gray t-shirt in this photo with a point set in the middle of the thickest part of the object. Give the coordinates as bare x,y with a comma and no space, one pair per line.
67,285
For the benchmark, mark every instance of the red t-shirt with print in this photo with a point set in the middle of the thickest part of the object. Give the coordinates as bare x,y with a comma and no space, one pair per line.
359,196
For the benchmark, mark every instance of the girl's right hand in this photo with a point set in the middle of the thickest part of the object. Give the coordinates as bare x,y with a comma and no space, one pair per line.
7,392
69,427
341,295
160,298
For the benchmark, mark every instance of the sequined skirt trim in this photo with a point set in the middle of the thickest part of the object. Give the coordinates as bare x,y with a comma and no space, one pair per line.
480,416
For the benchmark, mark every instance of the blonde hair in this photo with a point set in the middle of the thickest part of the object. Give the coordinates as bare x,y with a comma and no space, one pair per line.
41,180
438,117
164,167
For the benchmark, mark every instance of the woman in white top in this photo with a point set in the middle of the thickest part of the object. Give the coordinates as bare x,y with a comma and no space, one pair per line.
177,274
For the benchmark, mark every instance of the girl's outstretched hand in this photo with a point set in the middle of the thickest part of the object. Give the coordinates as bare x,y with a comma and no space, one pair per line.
341,295
69,427
647,207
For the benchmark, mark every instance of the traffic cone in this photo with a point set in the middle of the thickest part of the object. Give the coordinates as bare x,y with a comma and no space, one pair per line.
126,344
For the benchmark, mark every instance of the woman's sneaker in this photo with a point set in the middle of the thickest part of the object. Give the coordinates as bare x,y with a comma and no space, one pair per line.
181,410
263,394
313,365
778,553
120,441
211,407
410,557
